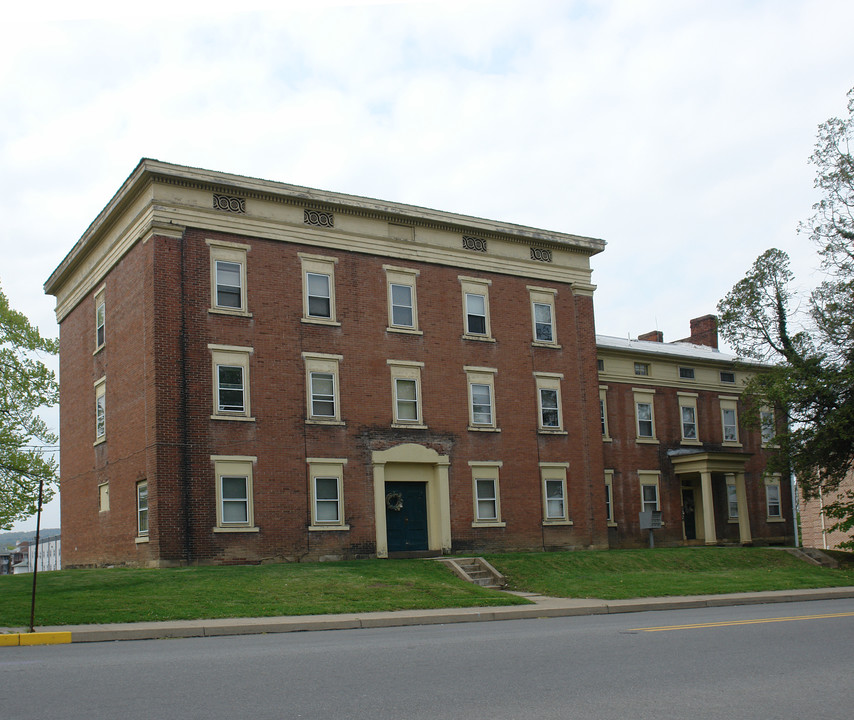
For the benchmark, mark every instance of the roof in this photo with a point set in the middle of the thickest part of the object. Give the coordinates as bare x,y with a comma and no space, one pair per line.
676,350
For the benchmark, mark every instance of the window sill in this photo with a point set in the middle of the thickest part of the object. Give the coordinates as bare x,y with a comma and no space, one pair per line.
548,431
646,441
488,524
314,421
241,529
732,521
98,349
141,539
320,321
731,443
693,443
476,428
478,338
775,519
409,426
321,528
404,331
547,523
99,441
543,344
238,418
233,313
607,439
611,523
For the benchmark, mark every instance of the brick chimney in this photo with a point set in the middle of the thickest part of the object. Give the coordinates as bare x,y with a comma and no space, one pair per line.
652,336
704,331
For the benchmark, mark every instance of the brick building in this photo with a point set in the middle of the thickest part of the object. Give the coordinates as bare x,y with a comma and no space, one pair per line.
256,371
816,525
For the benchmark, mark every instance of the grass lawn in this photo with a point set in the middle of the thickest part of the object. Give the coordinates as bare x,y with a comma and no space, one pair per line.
619,574
71,597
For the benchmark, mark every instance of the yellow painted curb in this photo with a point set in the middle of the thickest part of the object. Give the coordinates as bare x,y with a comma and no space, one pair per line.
45,638
9,639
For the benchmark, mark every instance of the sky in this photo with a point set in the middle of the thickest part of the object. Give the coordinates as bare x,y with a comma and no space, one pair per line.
679,131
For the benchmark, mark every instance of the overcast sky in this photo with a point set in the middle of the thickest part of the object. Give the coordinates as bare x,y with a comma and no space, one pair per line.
677,131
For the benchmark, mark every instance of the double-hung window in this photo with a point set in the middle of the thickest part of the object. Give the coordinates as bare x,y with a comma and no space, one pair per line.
543,315
406,390
476,321
550,417
731,498
101,410
649,485
553,477
481,387
322,382
729,420
644,414
767,426
228,277
326,477
230,381
609,498
234,504
603,412
142,507
688,417
402,303
100,319
487,504
318,274
772,498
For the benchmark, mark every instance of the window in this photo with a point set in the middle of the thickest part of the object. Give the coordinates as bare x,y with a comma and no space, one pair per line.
318,289
729,420
548,399
609,498
772,498
767,426
686,373
727,376
688,417
322,388
104,497
542,315
230,382
100,319
649,481
603,411
644,415
402,305
553,477
600,365
101,410
234,506
406,391
142,508
481,384
731,498
487,505
228,277
326,476
476,324
642,369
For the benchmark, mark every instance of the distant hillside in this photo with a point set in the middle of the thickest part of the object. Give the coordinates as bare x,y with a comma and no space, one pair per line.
10,538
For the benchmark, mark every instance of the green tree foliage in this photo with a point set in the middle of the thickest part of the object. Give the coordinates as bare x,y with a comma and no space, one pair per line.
807,342
26,385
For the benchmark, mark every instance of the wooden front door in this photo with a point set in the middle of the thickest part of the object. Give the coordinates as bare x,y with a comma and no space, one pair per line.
406,516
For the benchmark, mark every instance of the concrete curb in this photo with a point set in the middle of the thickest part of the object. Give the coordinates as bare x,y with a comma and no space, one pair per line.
542,607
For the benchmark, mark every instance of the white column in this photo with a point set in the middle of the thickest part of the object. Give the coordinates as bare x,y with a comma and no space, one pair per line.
708,509
744,535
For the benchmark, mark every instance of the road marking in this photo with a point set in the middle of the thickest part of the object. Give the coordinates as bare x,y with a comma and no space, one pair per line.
727,623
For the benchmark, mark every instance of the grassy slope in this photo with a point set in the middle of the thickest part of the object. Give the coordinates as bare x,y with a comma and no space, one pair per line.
617,574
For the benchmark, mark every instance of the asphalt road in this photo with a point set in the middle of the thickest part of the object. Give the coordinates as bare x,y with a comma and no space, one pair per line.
790,660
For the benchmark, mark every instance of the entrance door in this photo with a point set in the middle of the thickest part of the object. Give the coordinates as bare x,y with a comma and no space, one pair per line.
406,516
689,515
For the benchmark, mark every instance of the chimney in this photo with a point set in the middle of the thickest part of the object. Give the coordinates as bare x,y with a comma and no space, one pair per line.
652,336
704,331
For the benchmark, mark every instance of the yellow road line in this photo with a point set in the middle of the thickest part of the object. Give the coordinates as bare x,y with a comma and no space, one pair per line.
727,623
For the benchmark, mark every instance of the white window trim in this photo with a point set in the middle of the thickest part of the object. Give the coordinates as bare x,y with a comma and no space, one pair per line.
100,309
100,410
235,466
406,370
767,442
554,471
476,286
139,531
637,363
651,478
326,468
609,483
549,381
224,251
603,411
481,376
730,403
644,396
543,296
104,496
402,276
328,364
774,480
319,265
731,488
689,400
486,470
235,356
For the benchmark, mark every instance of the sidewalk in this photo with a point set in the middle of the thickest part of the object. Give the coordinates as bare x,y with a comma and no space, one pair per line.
542,607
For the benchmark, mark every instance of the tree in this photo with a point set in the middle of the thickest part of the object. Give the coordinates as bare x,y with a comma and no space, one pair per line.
806,344
26,384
